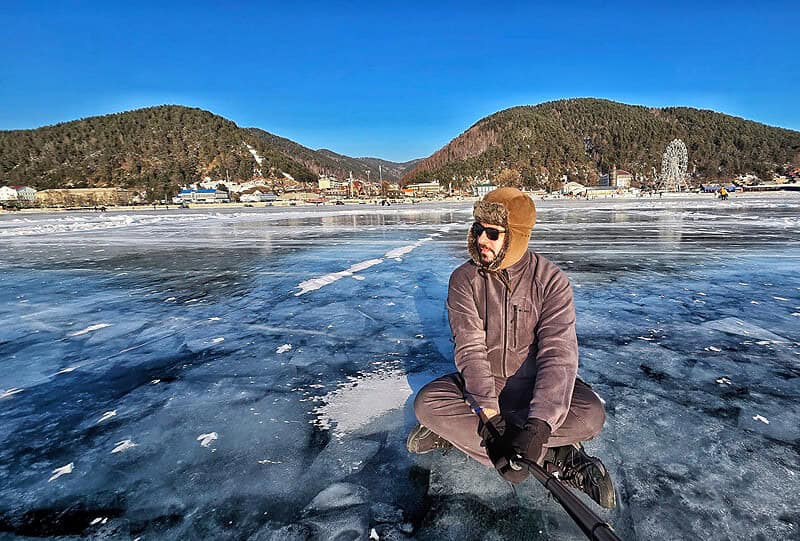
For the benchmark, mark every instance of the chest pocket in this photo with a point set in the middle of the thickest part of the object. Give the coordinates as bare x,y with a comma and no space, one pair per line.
523,323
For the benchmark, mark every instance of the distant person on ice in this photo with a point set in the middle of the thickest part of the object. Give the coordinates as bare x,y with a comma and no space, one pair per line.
513,322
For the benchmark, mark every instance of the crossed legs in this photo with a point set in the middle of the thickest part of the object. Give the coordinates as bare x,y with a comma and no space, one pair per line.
440,406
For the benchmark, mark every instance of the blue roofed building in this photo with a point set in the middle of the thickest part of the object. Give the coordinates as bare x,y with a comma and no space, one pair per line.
202,196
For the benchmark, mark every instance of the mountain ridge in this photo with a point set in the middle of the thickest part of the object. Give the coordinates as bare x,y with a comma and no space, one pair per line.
537,145
159,149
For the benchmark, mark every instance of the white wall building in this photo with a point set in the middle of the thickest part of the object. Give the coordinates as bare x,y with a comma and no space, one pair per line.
482,189
25,193
8,194
201,196
258,197
622,178
328,182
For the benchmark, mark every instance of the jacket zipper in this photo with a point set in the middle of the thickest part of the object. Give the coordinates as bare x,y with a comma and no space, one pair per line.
505,328
516,315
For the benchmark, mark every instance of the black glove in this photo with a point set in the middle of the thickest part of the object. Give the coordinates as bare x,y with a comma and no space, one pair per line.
528,442
497,441
492,429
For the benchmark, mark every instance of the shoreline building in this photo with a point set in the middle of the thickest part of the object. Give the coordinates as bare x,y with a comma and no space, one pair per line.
617,178
25,194
201,196
84,197
422,189
261,194
8,193
482,189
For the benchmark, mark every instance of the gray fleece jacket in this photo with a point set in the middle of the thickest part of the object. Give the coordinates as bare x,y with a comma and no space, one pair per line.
515,325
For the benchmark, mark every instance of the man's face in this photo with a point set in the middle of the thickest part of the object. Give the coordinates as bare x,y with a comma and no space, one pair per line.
488,248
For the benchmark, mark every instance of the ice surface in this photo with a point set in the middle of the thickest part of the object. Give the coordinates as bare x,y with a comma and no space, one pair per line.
198,374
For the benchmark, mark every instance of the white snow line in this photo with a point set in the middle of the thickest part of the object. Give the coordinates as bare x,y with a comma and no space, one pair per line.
106,416
66,370
397,253
91,328
63,470
123,445
316,283
10,392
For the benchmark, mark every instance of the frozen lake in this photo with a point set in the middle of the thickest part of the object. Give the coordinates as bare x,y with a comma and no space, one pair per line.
249,373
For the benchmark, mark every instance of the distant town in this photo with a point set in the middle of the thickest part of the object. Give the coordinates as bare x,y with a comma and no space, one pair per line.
331,190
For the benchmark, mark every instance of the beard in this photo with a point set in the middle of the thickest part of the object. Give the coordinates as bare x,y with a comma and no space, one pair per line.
495,260
487,256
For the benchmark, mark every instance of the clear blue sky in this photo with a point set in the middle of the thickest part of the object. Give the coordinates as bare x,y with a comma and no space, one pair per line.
395,80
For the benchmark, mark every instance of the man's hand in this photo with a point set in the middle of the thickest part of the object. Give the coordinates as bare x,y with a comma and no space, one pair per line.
528,442
498,446
493,428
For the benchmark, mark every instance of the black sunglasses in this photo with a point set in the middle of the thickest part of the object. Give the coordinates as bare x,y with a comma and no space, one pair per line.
492,233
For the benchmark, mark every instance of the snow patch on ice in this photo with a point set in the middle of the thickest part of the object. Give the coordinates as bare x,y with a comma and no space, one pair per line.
357,402
737,326
79,224
206,439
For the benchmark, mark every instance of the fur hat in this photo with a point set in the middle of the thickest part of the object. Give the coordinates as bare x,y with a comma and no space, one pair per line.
516,213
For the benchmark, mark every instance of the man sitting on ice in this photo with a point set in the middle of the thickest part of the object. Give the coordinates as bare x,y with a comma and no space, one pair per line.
513,322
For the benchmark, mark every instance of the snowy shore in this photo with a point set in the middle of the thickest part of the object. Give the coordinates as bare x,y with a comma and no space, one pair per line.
668,196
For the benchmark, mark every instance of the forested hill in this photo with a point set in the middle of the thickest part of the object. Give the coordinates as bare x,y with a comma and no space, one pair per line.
535,145
327,162
158,148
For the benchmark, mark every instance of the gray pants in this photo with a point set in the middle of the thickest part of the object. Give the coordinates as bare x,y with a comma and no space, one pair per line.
440,405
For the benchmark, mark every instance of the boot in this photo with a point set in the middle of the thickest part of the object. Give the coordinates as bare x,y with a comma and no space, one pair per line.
575,468
423,440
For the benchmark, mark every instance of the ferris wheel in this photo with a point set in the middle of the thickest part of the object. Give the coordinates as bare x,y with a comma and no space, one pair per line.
673,167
